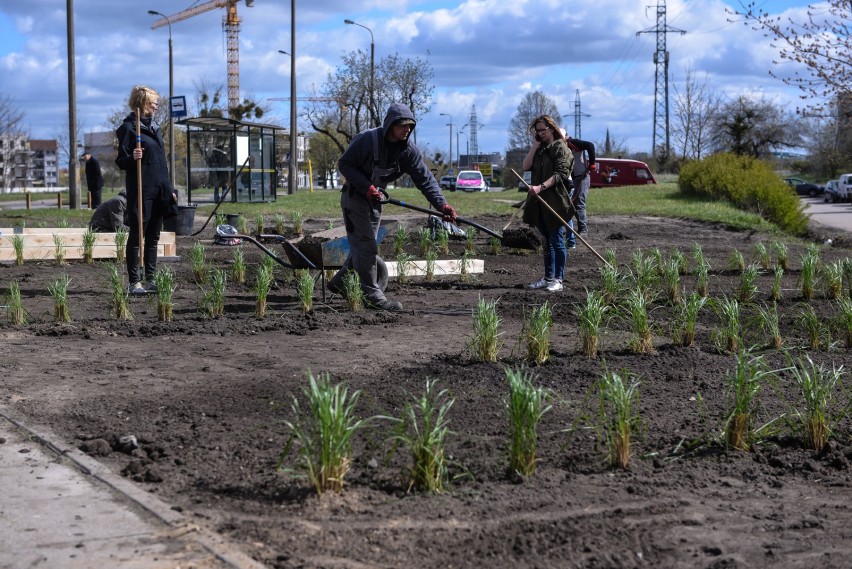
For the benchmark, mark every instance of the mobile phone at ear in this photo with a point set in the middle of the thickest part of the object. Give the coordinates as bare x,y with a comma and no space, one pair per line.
538,138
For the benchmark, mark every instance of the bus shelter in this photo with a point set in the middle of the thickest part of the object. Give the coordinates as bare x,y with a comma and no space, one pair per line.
226,153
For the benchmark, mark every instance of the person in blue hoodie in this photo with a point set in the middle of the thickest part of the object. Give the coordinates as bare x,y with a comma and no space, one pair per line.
374,159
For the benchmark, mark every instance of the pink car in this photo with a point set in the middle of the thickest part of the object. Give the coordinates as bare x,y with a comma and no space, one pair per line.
471,181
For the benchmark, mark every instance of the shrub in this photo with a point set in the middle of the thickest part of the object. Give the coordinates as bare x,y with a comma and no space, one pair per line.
749,184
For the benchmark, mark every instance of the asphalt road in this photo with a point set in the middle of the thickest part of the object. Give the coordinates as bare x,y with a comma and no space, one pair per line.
831,215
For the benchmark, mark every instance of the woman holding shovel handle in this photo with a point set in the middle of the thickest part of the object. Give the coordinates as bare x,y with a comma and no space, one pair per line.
142,156
550,164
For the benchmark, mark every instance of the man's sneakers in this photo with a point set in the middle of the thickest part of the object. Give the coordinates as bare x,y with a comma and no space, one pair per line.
550,285
136,288
151,287
385,304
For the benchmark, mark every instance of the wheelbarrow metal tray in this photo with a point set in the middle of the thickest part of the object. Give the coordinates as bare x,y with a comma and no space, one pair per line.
326,249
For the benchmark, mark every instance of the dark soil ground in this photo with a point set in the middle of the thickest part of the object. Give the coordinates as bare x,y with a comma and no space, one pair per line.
206,400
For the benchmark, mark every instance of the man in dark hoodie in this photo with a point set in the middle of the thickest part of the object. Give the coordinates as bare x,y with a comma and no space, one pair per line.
376,158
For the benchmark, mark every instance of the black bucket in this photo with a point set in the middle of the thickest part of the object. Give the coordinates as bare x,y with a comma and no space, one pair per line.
181,224
233,219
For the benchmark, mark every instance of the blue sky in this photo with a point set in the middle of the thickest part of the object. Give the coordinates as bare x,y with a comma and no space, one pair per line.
485,53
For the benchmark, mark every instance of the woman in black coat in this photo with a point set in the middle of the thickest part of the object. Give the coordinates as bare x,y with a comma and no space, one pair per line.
159,199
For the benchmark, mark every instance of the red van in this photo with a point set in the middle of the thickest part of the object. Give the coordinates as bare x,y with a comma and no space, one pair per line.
613,172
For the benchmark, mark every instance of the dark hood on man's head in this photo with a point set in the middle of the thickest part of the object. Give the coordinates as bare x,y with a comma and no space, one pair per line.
398,112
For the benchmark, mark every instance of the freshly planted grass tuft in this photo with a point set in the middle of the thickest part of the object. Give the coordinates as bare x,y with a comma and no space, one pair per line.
469,240
684,319
743,384
262,285
297,222
323,432
59,291
164,277
610,257
213,300
485,344
698,255
611,283
219,218
423,430
258,224
761,253
816,332
279,223
121,235
18,246
816,385
736,261
465,262
199,263
619,402
670,275
404,263
526,406
702,278
400,240
494,246
424,239
119,305
644,274
748,286
770,325
844,320
431,257
15,312
442,241
89,239
589,319
775,291
536,334
729,336
305,287
832,277
59,250
353,292
779,248
807,278
636,306
238,269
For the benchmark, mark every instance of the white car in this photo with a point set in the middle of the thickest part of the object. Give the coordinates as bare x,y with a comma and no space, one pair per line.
833,192
471,181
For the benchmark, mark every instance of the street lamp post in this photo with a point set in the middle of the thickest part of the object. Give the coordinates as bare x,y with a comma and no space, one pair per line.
294,134
372,70
451,138
171,94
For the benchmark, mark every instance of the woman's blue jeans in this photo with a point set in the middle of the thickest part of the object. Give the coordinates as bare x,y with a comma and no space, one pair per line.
555,253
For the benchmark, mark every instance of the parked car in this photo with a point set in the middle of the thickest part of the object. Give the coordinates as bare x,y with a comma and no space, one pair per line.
804,188
448,183
522,186
471,181
613,172
844,185
833,193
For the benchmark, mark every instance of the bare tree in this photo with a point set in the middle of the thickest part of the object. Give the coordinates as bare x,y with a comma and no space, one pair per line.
341,108
11,129
753,127
820,44
531,106
696,107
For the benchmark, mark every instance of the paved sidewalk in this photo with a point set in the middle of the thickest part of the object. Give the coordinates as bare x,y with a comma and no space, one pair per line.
61,509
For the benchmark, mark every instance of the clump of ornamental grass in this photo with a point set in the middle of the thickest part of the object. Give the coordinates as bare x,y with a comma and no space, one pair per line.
424,240
761,253
164,278
536,333
643,274
610,257
465,266
816,385
423,430
698,254
89,240
404,265
702,279
748,283
484,346
323,432
743,385
279,224
238,269
736,261
808,276
18,246
658,260
782,259
832,278
15,312
775,290
619,414
197,259
769,325
63,223
636,307
728,336
59,250
242,225
526,406
305,289
684,319
670,275
353,292
589,320
431,258
400,239
119,304
262,285
59,292
121,235
678,258
611,282
442,241
847,274
816,332
258,224
213,300
844,321
494,246
469,243
297,222
329,224
269,264
219,219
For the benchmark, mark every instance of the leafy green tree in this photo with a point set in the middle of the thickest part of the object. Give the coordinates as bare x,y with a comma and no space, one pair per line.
753,127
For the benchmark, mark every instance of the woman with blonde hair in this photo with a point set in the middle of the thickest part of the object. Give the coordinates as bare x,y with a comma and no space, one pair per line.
159,199
550,163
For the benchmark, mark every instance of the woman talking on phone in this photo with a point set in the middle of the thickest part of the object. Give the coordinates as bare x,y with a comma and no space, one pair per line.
550,164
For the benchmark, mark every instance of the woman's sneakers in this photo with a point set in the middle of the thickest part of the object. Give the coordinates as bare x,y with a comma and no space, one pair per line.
550,285
136,288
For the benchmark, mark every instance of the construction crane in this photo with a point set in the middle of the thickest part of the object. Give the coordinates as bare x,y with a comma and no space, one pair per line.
231,24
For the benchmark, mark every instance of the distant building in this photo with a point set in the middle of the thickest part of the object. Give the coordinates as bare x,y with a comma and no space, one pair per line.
44,163
14,154
101,145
